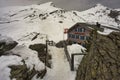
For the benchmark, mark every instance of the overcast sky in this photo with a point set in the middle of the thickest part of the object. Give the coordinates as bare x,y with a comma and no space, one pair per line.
66,4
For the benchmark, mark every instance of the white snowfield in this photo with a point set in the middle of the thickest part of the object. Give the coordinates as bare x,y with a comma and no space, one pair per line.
73,49
60,66
45,19
33,24
21,21
106,31
6,39
100,14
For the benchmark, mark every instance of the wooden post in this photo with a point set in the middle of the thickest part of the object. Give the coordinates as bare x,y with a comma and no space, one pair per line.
47,43
46,53
72,62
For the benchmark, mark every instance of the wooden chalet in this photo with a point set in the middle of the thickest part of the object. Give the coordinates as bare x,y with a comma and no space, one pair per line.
79,33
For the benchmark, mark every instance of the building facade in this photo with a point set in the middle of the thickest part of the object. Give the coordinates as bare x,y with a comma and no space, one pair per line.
79,33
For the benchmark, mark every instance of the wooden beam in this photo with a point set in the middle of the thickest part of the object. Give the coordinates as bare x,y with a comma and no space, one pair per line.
79,54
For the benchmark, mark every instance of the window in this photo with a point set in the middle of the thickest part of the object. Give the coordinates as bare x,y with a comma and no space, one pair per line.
83,29
73,36
69,35
76,29
77,36
80,29
82,37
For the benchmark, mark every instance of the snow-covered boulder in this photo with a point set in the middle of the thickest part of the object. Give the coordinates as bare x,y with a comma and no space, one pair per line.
6,44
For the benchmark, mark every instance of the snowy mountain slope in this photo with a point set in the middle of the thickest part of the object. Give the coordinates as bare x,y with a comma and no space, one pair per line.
20,21
35,23
105,16
36,18
32,25
47,19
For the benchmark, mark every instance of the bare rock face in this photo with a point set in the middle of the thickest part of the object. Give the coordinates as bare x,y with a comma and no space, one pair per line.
40,48
6,45
103,59
21,72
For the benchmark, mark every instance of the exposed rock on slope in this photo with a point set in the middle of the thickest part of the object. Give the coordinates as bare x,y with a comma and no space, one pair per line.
21,72
103,59
6,44
19,62
40,48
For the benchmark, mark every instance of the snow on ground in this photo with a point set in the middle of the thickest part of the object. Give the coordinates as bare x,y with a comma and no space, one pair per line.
6,39
29,56
75,48
23,23
44,19
6,61
60,66
100,14
106,31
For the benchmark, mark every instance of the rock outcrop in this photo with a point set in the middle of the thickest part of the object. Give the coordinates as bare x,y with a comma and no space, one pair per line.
6,44
103,59
21,72
41,49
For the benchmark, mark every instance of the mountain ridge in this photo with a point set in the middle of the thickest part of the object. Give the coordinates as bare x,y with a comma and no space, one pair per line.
22,19
29,27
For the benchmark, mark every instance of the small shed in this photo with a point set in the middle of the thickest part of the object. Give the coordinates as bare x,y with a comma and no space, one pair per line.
79,33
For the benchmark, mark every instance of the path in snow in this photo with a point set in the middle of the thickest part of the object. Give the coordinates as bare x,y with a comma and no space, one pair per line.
60,66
